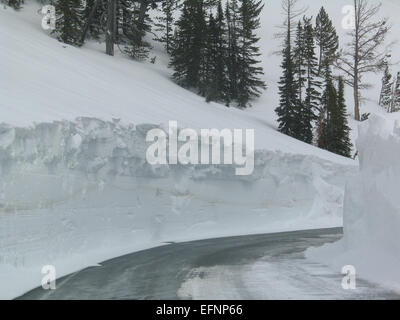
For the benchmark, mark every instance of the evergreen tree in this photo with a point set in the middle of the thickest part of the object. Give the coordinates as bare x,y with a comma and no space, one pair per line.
312,96
210,4
320,130
217,82
132,28
331,106
287,89
231,13
299,61
16,4
165,23
385,98
345,145
69,21
219,58
249,83
326,38
187,56
97,23
395,107
126,23
300,79
209,53
326,100
305,74
337,129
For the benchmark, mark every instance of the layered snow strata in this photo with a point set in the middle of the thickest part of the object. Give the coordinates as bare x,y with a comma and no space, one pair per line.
73,194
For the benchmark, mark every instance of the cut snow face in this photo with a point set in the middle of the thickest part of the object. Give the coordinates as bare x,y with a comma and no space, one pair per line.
210,146
73,194
371,209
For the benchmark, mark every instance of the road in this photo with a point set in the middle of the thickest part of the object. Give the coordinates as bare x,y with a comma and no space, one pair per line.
270,266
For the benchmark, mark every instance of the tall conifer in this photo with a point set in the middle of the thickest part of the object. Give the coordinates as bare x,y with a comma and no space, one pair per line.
69,21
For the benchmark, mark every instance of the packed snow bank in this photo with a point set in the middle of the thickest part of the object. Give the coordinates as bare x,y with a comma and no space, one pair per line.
73,194
372,208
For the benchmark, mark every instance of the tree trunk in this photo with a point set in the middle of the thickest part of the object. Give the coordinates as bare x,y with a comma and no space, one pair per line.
357,115
142,12
110,34
89,21
356,61
320,60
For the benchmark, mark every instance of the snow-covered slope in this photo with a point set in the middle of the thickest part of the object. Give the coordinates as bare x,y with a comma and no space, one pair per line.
74,186
43,80
60,81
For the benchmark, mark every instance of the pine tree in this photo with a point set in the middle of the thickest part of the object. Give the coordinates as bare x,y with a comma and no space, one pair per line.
96,27
337,129
209,52
165,23
187,56
385,98
16,4
299,62
326,100
395,107
217,82
300,79
249,83
126,24
131,30
69,21
344,146
320,131
180,53
326,38
331,107
231,13
287,88
210,4
306,83
312,98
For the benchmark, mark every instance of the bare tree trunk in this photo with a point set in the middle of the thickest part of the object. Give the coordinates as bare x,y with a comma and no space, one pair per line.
356,61
111,22
357,115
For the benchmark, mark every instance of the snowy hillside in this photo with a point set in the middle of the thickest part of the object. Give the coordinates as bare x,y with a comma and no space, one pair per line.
63,82
75,188
36,65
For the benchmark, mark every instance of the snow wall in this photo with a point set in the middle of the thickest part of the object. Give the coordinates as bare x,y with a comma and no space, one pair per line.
73,194
371,240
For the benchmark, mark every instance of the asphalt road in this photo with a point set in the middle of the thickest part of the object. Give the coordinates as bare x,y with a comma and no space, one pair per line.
160,273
